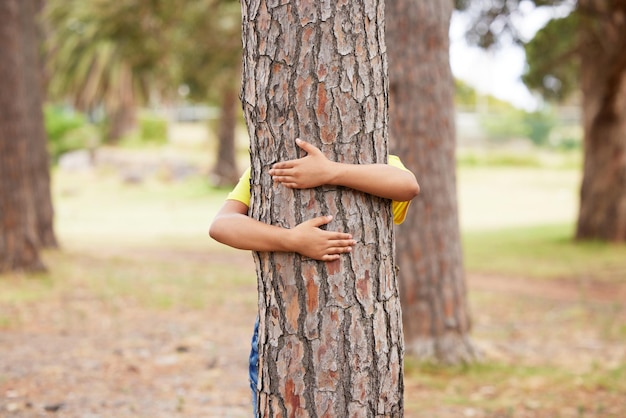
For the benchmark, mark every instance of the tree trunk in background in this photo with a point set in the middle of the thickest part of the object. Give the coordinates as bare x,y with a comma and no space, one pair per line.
18,245
422,130
602,212
330,333
121,111
225,172
38,158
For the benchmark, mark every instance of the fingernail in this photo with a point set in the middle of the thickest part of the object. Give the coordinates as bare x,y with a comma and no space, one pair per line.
298,140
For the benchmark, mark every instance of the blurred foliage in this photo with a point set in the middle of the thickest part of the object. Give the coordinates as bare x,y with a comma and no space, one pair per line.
504,125
503,122
551,55
209,48
539,125
553,65
498,159
468,98
494,20
68,131
107,54
516,123
100,51
153,128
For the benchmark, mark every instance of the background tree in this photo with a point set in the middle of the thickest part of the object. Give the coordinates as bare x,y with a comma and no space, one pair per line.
38,157
593,40
434,306
18,240
210,57
119,55
110,55
330,333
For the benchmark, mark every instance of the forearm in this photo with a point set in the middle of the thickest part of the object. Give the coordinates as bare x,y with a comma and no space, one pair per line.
380,180
242,232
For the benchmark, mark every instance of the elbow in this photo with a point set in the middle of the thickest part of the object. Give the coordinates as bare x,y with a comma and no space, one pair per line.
411,190
216,231
415,189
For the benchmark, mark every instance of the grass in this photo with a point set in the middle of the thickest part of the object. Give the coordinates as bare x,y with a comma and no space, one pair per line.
546,251
502,389
146,246
520,221
532,157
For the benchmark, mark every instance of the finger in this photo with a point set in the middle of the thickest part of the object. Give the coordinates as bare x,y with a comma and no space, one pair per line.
280,171
321,220
331,257
308,148
282,165
339,250
347,242
282,179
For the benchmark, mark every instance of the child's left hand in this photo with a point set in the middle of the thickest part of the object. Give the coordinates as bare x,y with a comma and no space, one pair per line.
307,172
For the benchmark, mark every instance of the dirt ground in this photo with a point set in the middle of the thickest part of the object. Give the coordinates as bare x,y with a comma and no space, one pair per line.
82,356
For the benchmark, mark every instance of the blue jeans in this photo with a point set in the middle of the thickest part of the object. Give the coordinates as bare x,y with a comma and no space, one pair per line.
253,368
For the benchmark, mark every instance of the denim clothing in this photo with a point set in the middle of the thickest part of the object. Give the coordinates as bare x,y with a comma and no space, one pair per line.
253,368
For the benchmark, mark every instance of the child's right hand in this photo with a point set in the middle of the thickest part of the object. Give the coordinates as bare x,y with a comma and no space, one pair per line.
310,241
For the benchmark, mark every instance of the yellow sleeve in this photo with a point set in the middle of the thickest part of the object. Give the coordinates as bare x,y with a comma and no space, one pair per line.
399,209
241,192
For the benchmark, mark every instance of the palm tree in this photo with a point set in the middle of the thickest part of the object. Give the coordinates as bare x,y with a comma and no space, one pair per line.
212,71
108,54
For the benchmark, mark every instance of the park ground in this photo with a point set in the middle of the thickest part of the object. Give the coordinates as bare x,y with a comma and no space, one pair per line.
142,315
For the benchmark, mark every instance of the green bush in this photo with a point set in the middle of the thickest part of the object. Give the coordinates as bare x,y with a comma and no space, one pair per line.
538,126
504,125
67,130
515,123
498,159
153,129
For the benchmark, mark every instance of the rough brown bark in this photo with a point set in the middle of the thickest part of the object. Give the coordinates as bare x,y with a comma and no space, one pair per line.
602,212
422,128
330,333
225,172
38,158
18,245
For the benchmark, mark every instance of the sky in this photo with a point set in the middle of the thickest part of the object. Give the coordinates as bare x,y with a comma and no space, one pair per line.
498,72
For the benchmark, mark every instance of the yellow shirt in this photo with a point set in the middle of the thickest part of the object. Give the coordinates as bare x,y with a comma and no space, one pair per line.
241,192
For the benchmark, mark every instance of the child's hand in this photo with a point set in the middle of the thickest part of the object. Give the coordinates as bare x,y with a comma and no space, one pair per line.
306,172
311,241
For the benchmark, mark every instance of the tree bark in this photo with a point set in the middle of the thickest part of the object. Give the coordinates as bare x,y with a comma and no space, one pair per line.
225,172
18,244
38,158
434,306
330,334
602,213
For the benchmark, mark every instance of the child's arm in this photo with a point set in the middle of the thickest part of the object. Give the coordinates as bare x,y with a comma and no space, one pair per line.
315,169
232,226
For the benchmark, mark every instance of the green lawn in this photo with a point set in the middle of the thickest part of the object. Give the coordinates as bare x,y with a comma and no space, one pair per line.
520,221
515,222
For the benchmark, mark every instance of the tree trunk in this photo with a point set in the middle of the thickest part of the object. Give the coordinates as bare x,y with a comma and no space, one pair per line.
121,110
330,335
225,172
38,158
435,313
602,212
18,245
